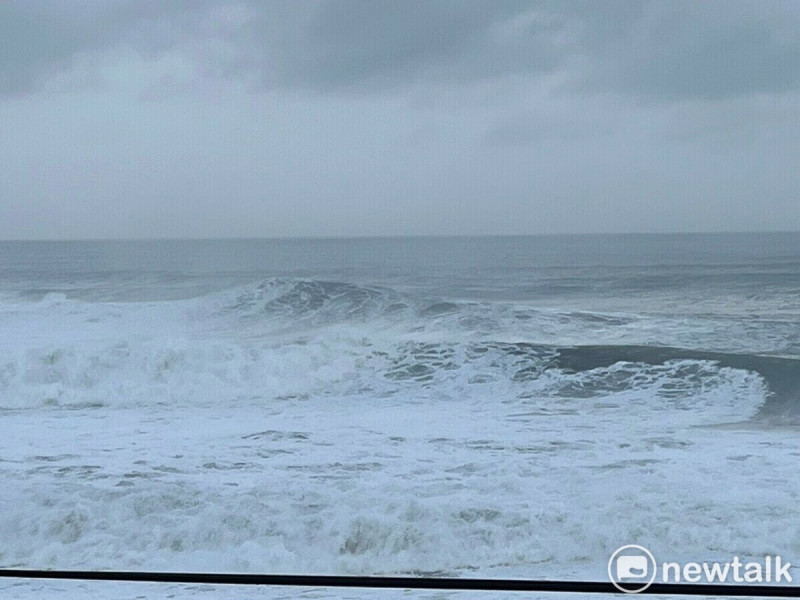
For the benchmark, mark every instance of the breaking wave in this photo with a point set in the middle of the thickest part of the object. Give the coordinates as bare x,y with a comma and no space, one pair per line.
321,426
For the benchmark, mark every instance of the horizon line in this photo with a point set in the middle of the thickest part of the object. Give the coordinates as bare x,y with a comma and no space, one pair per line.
396,236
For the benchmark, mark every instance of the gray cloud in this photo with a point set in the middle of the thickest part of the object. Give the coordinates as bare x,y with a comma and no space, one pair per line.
383,43
650,50
39,39
208,118
684,49
35,43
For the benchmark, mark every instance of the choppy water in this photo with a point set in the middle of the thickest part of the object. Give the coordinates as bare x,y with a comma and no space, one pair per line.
464,406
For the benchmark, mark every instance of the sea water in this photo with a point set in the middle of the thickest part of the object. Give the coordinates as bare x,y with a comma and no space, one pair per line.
466,407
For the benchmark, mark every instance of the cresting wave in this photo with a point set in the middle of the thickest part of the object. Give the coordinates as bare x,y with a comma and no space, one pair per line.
282,339
781,374
429,422
308,300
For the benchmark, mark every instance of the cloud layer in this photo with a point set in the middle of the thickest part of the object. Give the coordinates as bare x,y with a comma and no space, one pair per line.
141,118
649,49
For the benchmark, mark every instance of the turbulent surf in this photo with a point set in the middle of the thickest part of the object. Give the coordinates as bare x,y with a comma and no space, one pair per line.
493,406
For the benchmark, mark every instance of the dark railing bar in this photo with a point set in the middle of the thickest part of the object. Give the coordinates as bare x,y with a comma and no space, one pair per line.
408,583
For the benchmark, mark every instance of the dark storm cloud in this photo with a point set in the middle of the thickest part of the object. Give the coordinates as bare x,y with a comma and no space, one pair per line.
651,50
35,42
39,39
365,43
355,44
687,49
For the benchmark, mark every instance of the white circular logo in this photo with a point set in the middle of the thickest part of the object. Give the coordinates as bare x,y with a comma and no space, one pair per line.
631,566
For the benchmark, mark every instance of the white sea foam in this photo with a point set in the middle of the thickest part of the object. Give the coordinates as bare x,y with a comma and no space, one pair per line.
231,432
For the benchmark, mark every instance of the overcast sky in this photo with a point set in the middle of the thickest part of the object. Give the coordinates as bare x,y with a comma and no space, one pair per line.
147,118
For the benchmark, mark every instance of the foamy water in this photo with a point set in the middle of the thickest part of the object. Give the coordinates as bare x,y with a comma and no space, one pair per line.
360,415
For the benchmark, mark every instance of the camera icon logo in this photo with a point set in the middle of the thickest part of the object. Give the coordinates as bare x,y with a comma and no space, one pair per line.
632,568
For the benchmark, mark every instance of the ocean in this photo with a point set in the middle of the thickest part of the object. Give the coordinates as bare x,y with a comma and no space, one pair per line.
465,407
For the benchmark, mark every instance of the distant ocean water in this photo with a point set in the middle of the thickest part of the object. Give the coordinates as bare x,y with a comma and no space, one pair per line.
510,406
